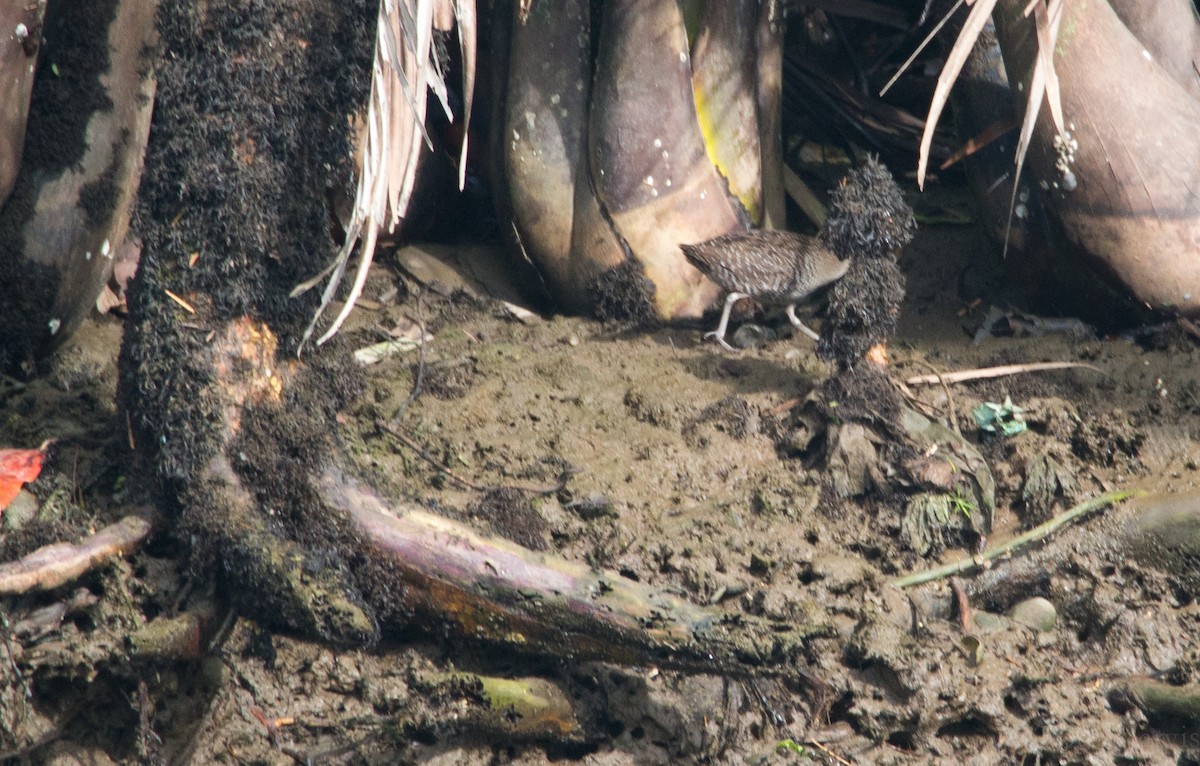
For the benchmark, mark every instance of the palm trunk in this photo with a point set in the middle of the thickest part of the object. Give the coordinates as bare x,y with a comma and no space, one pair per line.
1124,180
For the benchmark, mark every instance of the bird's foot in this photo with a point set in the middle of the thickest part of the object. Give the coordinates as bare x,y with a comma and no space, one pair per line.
720,338
795,320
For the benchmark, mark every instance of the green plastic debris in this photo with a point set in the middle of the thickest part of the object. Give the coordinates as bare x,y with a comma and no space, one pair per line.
1006,419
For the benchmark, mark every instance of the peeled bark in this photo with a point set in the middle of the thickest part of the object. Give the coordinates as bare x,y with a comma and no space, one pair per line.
543,139
725,78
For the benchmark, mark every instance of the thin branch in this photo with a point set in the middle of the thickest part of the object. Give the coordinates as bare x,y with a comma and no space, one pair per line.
924,43
982,140
1038,533
545,489
961,376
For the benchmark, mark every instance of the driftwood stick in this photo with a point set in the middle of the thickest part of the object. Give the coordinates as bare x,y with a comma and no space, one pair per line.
961,376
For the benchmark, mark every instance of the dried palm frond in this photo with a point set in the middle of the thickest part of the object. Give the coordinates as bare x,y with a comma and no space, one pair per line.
1047,16
976,20
405,66
848,115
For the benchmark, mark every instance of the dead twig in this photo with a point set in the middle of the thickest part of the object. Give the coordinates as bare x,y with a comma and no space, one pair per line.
966,614
189,308
46,620
952,414
924,43
545,489
837,758
272,725
783,407
981,373
980,141
54,565
419,378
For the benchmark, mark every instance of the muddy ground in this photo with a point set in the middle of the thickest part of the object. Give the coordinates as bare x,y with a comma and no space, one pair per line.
689,470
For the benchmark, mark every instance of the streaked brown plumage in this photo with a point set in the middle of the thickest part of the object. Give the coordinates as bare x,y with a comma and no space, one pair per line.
775,267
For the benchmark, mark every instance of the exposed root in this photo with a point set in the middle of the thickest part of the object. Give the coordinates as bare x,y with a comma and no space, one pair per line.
53,565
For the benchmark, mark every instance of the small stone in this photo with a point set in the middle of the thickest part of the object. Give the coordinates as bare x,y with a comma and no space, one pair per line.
986,622
22,508
1036,613
752,336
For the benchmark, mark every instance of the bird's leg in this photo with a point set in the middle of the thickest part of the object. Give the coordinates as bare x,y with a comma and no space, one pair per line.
719,333
795,320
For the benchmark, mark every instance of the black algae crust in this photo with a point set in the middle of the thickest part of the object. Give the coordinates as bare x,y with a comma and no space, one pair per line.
868,217
281,448
863,395
869,222
864,307
510,514
624,296
250,131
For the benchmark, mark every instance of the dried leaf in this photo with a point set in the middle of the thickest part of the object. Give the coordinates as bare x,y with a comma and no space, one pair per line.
1047,20
1043,67
976,20
18,467
464,10
404,62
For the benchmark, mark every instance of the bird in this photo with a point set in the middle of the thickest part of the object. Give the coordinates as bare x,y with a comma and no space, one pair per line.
771,266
